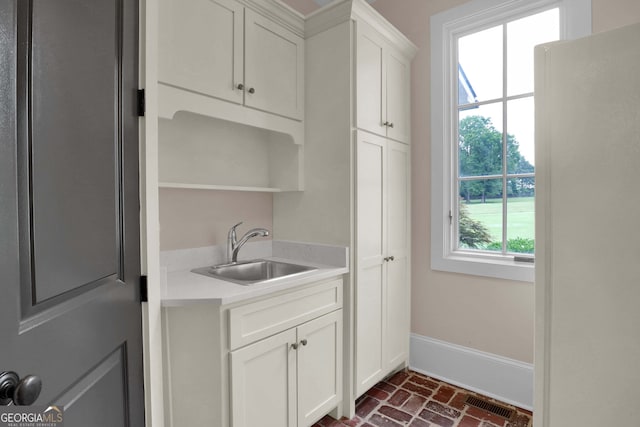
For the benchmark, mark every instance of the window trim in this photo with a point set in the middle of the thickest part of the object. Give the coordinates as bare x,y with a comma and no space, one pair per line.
575,22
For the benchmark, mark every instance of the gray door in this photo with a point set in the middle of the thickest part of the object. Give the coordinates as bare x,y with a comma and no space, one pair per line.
69,206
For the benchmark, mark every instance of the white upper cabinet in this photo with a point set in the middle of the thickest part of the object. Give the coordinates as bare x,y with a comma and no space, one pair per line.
383,76
201,47
398,96
370,80
274,64
224,50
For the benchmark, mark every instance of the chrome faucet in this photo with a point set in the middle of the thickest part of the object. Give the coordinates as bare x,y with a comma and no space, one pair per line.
233,245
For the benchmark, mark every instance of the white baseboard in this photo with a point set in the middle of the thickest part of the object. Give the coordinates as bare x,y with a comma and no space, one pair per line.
507,380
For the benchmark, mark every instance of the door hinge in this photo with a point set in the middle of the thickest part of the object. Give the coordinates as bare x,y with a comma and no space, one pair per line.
141,103
144,296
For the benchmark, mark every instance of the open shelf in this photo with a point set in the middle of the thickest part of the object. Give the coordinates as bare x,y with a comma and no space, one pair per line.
199,152
217,187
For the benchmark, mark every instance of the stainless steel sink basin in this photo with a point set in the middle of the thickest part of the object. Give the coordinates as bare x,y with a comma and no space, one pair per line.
249,272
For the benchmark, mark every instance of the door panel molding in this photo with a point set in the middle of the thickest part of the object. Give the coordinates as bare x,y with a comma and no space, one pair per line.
38,294
56,307
101,379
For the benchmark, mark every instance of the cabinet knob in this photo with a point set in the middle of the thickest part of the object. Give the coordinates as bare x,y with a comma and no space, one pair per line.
385,259
390,125
252,90
240,86
391,258
304,341
294,346
385,124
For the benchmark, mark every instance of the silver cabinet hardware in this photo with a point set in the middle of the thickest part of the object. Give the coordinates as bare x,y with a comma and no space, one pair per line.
240,86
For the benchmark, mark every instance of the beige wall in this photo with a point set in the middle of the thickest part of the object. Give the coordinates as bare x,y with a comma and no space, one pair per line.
303,6
610,14
197,218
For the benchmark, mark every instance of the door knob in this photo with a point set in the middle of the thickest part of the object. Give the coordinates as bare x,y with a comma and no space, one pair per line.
21,392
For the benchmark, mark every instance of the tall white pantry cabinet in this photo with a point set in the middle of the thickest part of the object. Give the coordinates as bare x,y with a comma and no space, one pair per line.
357,177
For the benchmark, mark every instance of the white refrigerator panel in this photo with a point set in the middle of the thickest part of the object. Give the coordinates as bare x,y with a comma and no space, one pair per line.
587,361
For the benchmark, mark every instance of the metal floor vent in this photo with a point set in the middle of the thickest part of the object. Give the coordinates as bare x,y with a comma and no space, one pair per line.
485,405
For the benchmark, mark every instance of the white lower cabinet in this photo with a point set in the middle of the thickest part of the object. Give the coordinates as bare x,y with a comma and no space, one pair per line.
273,361
290,379
263,383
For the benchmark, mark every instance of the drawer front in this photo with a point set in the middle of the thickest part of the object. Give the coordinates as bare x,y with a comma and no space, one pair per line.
254,321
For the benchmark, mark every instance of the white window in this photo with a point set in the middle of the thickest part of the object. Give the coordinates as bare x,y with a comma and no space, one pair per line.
482,141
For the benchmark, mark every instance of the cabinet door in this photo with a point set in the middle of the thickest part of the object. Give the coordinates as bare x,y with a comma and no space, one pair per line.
396,341
263,383
370,81
200,46
274,67
371,267
398,96
319,367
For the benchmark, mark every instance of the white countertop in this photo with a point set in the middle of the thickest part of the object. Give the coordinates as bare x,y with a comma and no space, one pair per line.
184,287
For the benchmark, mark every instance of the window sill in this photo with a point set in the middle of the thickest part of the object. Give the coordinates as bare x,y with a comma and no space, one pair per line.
498,267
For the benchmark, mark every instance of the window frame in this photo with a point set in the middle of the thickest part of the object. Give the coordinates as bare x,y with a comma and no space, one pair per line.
446,27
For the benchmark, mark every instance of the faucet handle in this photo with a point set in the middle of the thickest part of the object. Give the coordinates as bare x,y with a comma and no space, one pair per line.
232,232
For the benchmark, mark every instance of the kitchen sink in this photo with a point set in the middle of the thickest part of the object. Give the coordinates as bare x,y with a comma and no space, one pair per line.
250,272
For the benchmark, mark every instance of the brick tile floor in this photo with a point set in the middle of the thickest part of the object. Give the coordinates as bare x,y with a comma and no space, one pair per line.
412,399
